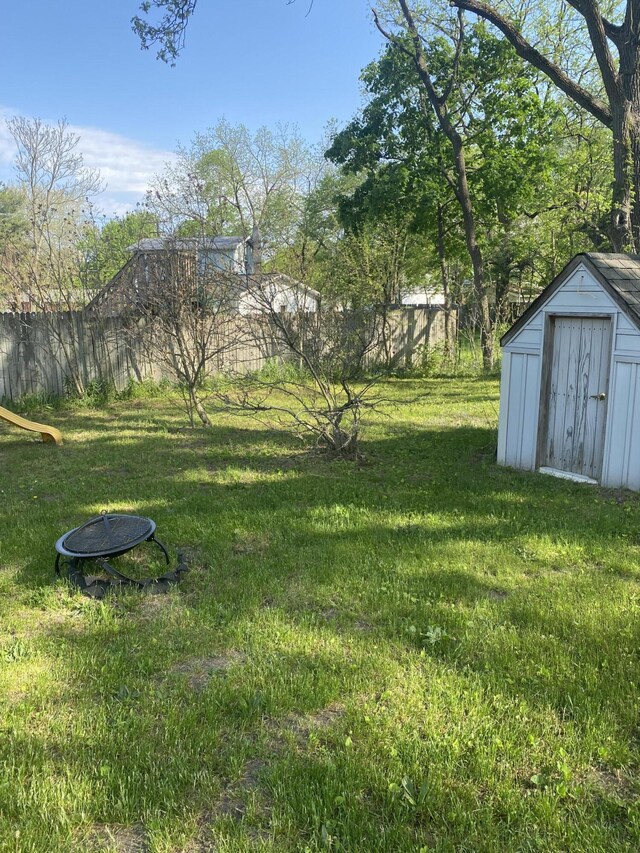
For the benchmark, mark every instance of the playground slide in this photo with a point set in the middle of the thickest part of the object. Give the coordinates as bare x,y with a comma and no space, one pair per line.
48,433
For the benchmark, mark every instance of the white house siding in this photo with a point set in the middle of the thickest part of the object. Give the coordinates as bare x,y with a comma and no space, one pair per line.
580,294
281,297
423,297
231,260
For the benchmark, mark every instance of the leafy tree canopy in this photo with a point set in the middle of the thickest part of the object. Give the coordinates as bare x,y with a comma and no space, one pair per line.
107,248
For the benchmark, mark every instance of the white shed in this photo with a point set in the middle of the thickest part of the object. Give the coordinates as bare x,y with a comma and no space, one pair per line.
570,390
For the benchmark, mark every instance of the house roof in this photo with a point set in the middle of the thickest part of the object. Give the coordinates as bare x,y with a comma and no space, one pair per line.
619,275
157,244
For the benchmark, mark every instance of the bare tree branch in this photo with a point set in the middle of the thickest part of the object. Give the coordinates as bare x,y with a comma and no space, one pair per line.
529,53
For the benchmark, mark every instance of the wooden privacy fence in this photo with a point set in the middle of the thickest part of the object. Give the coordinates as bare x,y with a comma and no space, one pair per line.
45,353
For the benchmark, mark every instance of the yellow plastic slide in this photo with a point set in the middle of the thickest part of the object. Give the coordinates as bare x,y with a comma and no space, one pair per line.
48,433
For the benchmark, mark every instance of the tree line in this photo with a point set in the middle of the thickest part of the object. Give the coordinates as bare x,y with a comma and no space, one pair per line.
476,167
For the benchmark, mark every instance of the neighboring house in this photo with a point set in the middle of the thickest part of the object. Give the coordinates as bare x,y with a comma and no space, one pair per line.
233,261
280,291
230,254
427,296
570,390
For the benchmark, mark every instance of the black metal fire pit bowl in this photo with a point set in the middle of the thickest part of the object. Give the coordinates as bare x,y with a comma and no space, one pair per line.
110,535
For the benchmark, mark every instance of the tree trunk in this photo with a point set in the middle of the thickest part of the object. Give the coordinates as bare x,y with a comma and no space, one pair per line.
461,185
625,114
622,230
475,253
444,280
196,405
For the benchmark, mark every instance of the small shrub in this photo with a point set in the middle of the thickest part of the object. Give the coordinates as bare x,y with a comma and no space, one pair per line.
33,403
280,371
146,389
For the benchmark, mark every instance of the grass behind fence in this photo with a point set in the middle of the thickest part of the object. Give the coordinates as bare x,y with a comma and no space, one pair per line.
422,651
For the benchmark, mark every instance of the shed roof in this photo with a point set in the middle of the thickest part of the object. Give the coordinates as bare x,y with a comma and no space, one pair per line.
619,275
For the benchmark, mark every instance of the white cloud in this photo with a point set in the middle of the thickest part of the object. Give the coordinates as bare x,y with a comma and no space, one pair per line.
116,205
125,165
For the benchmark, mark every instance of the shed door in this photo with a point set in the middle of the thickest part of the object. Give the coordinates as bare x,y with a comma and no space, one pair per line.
576,394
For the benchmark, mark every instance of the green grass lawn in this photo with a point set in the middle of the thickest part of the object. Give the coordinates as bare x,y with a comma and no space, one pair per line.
419,651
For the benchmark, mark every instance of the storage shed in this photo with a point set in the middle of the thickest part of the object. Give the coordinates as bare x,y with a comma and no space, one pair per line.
570,390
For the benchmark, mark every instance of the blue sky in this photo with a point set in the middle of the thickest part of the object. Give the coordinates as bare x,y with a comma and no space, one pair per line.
252,61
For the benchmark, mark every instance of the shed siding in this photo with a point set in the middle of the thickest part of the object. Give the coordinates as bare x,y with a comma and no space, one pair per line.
581,281
520,397
622,460
581,294
580,302
530,337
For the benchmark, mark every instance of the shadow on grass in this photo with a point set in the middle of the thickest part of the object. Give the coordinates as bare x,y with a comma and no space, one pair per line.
427,548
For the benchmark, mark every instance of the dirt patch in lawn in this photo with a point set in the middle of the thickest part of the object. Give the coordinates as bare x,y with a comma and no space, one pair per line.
611,783
329,613
332,614
497,594
199,670
153,606
119,839
301,726
193,555
322,719
233,803
249,543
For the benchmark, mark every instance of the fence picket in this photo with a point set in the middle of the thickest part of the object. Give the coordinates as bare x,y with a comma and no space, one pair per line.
33,358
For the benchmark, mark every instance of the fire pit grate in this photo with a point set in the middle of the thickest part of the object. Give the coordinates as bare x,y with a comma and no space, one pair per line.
111,535
107,535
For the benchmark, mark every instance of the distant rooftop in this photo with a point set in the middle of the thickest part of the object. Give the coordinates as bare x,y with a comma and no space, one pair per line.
186,244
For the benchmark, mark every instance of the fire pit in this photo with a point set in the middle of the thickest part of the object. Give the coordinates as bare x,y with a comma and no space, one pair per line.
105,536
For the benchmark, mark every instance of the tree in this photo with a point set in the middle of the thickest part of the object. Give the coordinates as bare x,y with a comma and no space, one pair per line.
616,48
43,259
614,100
398,154
12,215
108,247
315,384
169,32
230,180
440,91
187,311
13,228
510,133
308,252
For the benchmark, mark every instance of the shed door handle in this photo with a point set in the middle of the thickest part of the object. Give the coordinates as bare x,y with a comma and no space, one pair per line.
600,396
